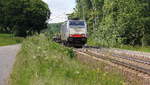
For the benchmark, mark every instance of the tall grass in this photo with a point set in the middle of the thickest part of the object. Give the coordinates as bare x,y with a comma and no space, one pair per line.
43,62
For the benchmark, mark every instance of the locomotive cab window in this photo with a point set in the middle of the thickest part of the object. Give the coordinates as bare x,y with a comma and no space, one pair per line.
79,24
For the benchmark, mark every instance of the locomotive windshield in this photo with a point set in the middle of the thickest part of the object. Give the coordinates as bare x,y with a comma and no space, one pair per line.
77,24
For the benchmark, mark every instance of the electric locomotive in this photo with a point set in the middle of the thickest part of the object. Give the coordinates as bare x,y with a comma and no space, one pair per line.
74,33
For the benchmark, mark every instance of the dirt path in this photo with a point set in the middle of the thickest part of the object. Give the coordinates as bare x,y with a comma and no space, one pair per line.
7,58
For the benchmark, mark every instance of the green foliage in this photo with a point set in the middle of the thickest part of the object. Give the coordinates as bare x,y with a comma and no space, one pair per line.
9,39
23,17
43,62
116,22
53,29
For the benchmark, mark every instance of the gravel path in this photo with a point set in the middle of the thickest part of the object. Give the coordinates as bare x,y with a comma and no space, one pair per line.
7,58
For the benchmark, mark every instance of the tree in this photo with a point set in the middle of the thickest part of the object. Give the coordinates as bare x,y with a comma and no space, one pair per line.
26,17
116,22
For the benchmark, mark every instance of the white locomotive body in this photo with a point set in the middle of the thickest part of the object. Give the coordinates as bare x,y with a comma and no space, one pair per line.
74,32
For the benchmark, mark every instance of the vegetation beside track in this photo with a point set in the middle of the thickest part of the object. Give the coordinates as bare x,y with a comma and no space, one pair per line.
43,62
113,23
9,39
54,28
136,48
126,47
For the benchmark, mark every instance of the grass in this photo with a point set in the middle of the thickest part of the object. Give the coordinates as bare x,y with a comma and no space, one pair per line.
136,48
43,62
7,39
125,47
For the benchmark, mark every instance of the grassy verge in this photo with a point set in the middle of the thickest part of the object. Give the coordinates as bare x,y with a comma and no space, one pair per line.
136,48
43,62
7,39
125,47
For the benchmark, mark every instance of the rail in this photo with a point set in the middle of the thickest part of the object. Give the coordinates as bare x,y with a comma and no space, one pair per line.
121,63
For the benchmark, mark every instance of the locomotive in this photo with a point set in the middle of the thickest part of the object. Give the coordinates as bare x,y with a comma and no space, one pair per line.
74,33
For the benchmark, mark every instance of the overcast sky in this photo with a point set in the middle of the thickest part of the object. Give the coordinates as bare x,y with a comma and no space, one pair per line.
59,8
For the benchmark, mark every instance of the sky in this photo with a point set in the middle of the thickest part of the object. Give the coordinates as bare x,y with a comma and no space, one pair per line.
59,9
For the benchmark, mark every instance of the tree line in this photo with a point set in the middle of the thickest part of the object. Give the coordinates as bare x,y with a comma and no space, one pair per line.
23,17
116,22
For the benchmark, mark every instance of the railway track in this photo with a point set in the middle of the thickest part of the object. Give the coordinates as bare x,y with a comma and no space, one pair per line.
135,64
132,59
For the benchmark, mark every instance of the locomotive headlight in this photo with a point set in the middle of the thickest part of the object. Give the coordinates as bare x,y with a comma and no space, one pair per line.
70,35
83,35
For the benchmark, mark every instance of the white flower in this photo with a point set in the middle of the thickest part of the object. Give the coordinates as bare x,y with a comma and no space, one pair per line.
39,47
34,57
77,72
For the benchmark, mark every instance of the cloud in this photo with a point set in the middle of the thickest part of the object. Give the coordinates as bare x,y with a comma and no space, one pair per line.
59,8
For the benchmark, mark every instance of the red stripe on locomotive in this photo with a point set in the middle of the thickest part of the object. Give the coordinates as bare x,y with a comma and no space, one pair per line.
77,35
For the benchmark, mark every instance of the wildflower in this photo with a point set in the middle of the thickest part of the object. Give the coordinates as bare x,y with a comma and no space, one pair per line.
98,70
39,47
34,57
105,73
77,72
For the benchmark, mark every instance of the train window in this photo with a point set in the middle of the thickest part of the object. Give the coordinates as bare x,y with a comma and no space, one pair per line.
76,23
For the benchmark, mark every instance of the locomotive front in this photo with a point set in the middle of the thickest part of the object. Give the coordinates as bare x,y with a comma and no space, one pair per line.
77,32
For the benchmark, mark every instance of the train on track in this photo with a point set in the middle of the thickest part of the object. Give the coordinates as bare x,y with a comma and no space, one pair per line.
73,33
